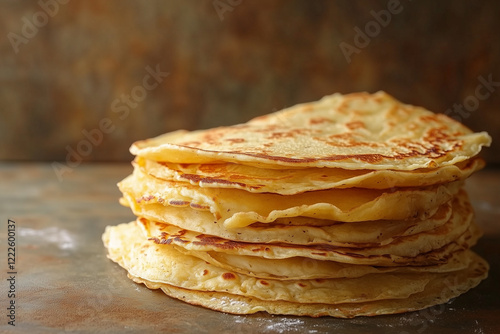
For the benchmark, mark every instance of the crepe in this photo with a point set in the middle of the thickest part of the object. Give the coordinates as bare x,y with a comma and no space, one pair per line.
237,208
353,131
163,264
296,230
295,268
437,291
294,181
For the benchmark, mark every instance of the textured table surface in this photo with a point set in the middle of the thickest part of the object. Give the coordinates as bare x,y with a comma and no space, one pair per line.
63,281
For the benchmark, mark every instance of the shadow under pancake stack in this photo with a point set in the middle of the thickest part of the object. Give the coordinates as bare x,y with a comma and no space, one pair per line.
352,205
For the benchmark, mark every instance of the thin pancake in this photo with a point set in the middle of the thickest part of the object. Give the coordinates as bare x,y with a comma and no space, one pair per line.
438,291
238,208
305,268
356,234
294,181
354,131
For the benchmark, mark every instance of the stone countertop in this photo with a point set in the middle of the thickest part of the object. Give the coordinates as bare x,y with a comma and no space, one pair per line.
64,282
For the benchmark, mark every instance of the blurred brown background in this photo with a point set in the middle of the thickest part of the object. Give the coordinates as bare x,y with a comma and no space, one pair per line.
110,72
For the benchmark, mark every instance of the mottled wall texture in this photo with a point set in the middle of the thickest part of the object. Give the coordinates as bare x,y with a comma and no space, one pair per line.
108,72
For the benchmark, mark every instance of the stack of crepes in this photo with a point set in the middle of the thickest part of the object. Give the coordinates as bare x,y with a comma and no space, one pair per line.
349,206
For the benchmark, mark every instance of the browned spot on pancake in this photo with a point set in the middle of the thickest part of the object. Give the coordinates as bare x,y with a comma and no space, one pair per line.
276,135
339,136
430,118
355,125
345,141
208,237
213,136
178,203
199,206
179,239
209,180
235,140
263,282
176,239
320,120
145,198
161,241
302,285
228,276
166,238
208,240
458,133
289,133
205,272
143,249
180,233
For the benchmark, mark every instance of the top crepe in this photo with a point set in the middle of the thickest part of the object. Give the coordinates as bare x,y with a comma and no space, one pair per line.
354,131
